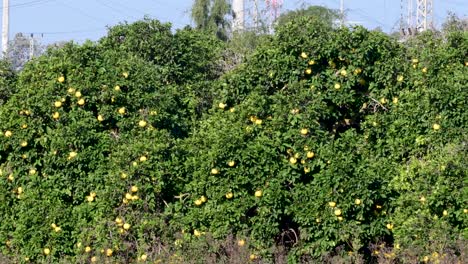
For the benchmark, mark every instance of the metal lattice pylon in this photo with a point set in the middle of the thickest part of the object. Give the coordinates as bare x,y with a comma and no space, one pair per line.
424,15
274,6
416,16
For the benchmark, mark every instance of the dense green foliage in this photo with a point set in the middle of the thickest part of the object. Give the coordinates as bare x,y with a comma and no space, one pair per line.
7,80
319,13
323,139
211,16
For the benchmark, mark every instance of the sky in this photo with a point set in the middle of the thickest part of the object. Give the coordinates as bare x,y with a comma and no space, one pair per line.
63,20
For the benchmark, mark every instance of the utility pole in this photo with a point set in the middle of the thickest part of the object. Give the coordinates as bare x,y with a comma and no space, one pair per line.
5,26
31,46
238,9
342,12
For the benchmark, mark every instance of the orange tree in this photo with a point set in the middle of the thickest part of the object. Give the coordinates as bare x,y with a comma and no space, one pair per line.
304,141
7,81
323,139
282,139
86,139
430,212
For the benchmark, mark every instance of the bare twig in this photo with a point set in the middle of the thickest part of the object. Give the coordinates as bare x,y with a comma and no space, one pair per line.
378,103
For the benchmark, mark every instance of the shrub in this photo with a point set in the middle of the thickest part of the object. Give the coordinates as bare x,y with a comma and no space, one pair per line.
324,145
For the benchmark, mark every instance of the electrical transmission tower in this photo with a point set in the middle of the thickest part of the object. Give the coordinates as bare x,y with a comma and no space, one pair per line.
424,15
415,20
274,6
250,14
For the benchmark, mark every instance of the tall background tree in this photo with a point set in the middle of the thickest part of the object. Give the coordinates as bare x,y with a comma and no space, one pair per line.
326,15
7,81
454,23
212,15
19,50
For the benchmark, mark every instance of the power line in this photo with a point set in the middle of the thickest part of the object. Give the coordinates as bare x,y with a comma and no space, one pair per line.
360,11
114,9
83,12
363,14
30,3
458,3
66,32
118,9
138,11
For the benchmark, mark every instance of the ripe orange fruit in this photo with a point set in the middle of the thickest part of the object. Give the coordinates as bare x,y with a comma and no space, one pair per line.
292,160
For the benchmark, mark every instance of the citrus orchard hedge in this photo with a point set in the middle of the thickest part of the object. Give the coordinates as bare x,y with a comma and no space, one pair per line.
138,145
